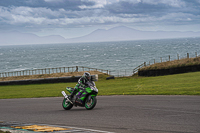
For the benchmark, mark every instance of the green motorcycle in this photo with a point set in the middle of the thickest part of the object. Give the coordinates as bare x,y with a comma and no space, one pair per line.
86,97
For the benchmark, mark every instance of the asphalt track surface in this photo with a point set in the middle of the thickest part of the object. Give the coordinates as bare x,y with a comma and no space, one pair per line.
121,114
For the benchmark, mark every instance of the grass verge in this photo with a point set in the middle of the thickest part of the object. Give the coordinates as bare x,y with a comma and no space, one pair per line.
179,84
173,64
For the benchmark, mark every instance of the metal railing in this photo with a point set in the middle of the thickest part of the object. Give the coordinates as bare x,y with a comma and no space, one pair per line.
131,72
171,58
50,71
126,72
117,73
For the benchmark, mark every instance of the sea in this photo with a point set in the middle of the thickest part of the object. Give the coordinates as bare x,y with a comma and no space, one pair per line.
110,56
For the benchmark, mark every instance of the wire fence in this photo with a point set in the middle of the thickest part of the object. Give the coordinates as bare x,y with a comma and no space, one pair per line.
50,71
126,72
117,73
171,58
130,72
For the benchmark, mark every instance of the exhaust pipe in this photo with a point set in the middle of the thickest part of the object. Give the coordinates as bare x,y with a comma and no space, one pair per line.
65,95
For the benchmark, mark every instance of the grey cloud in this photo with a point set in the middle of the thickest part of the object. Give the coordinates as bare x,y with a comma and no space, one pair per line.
165,11
54,5
127,7
41,14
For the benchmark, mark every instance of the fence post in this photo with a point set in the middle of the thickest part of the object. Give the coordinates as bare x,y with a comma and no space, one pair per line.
154,61
161,59
196,54
145,64
76,69
187,55
169,57
178,56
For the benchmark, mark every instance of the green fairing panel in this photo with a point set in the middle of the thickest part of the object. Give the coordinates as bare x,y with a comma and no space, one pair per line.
82,98
69,89
88,90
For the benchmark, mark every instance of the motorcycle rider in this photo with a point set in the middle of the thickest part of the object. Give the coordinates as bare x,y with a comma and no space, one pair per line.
81,84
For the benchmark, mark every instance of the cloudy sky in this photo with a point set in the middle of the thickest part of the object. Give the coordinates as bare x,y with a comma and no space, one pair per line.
73,18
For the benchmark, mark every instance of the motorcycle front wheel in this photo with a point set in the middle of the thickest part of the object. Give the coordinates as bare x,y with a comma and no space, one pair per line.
66,105
90,104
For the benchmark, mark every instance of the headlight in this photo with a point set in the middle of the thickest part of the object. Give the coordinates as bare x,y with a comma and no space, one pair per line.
94,89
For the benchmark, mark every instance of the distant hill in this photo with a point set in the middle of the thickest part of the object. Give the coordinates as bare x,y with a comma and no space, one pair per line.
120,33
15,37
123,33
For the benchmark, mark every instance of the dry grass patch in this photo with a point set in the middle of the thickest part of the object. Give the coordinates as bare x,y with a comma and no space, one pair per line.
173,64
42,76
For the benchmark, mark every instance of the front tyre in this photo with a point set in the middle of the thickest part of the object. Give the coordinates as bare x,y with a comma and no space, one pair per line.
90,104
66,104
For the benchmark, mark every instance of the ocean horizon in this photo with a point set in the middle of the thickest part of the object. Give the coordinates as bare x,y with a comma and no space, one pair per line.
110,56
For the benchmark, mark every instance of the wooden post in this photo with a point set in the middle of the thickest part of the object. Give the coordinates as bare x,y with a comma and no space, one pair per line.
169,57
178,56
145,64
154,61
161,59
196,54
187,55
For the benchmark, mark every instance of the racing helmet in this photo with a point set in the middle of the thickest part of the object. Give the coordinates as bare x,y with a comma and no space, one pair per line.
87,75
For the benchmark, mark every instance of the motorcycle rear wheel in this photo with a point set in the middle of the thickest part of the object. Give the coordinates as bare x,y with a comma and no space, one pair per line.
66,106
90,104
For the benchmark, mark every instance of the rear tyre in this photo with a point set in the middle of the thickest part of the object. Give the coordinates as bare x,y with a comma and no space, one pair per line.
89,105
66,105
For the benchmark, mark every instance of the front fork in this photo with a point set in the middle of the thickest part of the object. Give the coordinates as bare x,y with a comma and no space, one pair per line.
66,97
